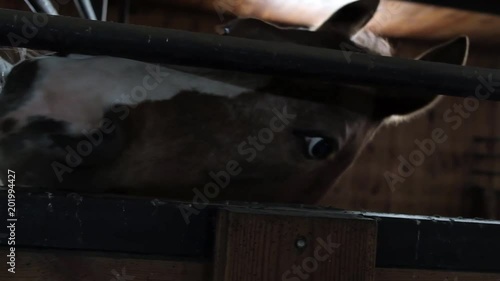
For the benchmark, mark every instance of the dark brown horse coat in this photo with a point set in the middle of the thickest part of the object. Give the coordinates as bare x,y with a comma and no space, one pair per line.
102,124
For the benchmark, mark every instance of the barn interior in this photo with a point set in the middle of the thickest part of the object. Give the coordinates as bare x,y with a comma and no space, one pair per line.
458,178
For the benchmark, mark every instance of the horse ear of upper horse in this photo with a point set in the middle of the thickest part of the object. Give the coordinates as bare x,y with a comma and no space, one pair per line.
251,28
413,101
351,18
347,20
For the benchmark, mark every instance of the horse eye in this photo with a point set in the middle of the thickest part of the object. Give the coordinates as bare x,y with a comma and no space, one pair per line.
318,147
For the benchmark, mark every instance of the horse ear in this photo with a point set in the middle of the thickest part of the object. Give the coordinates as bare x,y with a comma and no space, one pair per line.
351,18
345,21
413,102
255,29
260,30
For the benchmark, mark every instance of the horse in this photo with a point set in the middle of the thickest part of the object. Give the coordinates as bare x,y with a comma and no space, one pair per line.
100,124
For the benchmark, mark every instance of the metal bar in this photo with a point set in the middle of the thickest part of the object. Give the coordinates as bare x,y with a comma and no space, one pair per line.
482,6
104,10
73,35
80,9
124,11
30,5
85,9
100,9
89,9
41,6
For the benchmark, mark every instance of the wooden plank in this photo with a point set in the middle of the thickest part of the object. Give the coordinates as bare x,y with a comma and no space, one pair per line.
392,274
48,265
279,247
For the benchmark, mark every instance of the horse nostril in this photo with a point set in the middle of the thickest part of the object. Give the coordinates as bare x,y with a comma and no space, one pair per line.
7,125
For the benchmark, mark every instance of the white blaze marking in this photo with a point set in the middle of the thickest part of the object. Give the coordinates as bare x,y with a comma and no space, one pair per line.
79,89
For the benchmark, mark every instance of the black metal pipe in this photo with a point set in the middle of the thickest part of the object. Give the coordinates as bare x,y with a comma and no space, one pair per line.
73,35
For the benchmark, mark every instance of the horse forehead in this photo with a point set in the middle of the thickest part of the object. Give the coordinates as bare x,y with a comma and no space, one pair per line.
191,114
308,114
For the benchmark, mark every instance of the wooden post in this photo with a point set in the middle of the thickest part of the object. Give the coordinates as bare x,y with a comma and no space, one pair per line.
269,247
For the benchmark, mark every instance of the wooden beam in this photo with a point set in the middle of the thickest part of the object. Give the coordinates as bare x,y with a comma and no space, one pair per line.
49,265
393,274
278,247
